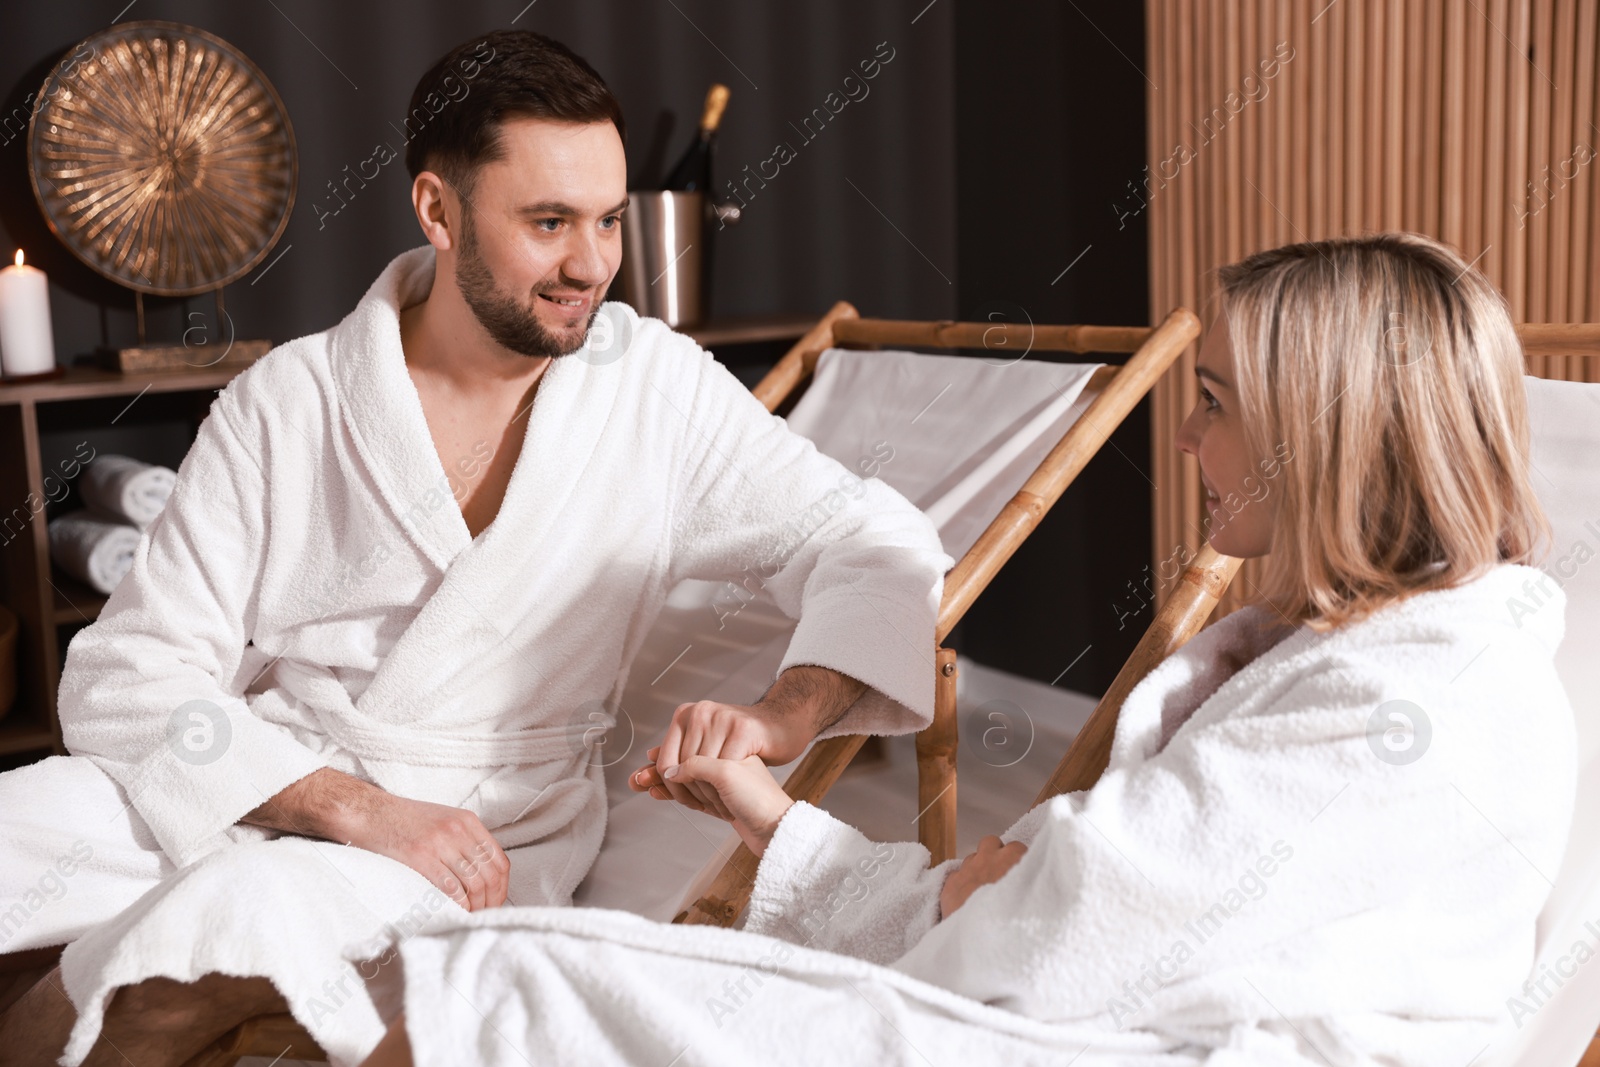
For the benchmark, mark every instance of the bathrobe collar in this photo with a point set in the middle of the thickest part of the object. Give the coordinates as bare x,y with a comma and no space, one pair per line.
383,416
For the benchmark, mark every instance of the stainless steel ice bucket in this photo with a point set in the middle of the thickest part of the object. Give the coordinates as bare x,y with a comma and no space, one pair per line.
662,245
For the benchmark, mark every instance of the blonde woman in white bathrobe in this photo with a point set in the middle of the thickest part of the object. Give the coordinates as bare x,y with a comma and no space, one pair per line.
1328,823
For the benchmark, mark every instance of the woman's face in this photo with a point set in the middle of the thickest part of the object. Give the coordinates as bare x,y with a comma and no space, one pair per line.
1241,498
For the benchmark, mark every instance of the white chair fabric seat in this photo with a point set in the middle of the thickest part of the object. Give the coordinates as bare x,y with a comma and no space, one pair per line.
1565,417
955,435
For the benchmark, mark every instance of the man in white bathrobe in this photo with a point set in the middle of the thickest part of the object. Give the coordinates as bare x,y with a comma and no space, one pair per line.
394,597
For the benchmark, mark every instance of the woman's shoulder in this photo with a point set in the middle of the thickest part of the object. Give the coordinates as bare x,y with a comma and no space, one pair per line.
1488,643
1511,613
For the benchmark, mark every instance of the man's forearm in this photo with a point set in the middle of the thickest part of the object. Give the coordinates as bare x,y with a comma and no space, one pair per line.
817,696
325,803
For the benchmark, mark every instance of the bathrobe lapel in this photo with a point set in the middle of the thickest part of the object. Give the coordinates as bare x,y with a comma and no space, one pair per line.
382,412
487,585
493,586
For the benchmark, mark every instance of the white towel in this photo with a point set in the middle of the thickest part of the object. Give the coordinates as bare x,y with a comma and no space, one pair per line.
127,488
254,896
92,549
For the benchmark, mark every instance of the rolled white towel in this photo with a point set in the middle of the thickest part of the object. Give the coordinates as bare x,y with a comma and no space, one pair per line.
127,488
93,549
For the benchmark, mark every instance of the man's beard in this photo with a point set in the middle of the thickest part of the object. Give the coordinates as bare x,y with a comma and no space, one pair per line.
511,323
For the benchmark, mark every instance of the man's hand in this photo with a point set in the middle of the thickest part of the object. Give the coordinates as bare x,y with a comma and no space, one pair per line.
988,864
448,846
803,702
743,792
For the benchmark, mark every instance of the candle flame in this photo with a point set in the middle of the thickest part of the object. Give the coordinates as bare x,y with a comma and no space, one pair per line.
19,257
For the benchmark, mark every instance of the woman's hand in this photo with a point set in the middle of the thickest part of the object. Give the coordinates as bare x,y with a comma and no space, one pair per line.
742,792
988,864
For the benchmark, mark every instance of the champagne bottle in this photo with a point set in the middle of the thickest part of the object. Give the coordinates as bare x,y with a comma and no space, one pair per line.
693,171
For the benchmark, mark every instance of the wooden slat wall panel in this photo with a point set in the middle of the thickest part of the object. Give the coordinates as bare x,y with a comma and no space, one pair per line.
1474,123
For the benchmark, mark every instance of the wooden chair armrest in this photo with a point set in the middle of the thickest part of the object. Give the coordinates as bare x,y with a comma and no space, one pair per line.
1180,618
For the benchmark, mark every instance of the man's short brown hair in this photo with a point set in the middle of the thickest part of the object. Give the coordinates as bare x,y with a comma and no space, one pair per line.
453,125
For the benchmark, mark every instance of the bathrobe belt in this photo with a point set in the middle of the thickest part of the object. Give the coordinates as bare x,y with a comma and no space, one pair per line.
316,691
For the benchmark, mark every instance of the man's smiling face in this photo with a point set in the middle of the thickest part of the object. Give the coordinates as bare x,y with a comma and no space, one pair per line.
540,237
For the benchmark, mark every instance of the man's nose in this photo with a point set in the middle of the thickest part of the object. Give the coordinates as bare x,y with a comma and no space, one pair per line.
586,263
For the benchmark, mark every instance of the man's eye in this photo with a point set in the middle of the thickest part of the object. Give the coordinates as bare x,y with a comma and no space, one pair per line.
611,222
548,225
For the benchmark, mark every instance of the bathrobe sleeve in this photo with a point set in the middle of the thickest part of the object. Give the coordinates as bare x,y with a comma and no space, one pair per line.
822,884
148,691
860,567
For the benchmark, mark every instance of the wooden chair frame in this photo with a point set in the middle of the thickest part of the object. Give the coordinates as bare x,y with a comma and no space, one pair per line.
1117,391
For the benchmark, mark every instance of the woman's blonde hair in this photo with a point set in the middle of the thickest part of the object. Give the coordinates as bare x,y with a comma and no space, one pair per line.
1389,370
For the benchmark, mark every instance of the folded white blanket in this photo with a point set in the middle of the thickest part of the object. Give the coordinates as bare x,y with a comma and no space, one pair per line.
93,549
127,488
256,895
514,986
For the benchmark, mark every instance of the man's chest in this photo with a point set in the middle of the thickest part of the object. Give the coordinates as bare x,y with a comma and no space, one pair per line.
477,465
478,445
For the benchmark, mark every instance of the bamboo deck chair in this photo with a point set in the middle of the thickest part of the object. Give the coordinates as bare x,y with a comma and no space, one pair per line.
1564,410
1116,390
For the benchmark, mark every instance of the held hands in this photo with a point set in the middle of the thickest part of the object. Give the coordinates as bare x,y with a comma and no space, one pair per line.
741,792
988,864
803,701
724,731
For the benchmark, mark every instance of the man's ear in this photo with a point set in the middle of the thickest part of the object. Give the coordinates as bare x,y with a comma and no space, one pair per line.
431,203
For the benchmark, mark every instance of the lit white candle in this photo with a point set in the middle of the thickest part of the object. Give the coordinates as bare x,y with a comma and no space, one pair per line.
26,345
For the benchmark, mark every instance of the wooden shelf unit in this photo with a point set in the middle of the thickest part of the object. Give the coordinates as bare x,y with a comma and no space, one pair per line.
754,329
47,601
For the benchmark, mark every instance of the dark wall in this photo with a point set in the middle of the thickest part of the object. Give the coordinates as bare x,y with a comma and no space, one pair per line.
1049,131
982,164
345,72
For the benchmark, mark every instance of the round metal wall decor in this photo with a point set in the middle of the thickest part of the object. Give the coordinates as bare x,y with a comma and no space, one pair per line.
162,157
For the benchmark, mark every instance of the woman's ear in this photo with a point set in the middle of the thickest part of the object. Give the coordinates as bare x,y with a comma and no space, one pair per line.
429,200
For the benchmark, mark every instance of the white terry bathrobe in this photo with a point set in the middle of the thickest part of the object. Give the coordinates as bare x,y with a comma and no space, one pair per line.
1274,869
311,598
